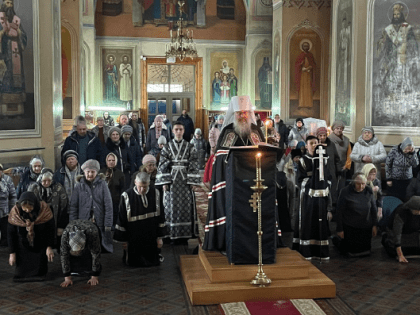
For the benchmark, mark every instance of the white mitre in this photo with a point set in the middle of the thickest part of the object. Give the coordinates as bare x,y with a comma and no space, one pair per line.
239,103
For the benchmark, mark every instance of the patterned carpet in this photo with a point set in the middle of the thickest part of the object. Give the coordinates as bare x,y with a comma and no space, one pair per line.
372,285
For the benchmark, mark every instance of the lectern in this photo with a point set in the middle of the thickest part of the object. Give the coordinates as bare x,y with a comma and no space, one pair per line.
241,220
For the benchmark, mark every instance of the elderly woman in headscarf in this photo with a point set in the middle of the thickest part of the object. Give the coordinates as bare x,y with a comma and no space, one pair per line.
157,129
116,182
150,167
91,200
68,173
401,236
200,145
357,218
370,171
55,196
368,149
30,235
399,166
30,175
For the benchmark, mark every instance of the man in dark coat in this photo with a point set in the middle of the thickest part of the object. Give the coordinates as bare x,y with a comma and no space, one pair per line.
282,130
188,124
138,130
141,223
333,162
84,142
132,145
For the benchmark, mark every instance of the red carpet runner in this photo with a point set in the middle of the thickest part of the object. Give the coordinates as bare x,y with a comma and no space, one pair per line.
292,307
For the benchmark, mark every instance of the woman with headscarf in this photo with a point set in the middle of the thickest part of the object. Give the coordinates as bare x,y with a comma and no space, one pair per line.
150,167
401,236
368,149
31,238
55,196
68,173
357,218
115,144
91,200
116,182
30,175
370,171
399,166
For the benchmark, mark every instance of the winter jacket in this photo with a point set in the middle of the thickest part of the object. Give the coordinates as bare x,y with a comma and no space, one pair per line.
7,195
213,137
28,178
93,200
169,127
139,132
116,185
135,152
94,148
298,135
189,127
399,165
283,131
374,148
125,163
152,142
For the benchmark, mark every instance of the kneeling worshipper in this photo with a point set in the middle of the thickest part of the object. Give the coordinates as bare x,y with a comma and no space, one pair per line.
357,218
401,236
81,252
141,224
311,231
30,235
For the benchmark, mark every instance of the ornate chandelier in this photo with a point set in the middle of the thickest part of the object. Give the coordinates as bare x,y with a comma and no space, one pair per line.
182,44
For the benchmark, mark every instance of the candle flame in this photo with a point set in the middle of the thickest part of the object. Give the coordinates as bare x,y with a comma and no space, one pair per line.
259,154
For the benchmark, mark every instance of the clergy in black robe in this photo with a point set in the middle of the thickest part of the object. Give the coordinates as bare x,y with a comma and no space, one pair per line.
311,232
240,130
177,172
141,223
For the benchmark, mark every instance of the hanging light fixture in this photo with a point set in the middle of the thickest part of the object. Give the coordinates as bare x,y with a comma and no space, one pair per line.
182,44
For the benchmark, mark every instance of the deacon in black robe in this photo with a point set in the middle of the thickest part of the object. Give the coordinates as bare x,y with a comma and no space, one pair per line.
311,231
141,224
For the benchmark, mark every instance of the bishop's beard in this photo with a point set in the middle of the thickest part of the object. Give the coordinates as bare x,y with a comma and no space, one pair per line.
398,21
242,128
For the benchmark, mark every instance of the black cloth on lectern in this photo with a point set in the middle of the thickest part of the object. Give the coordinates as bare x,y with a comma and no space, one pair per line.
310,234
241,220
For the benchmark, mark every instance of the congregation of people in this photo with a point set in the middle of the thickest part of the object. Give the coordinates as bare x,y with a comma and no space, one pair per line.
120,184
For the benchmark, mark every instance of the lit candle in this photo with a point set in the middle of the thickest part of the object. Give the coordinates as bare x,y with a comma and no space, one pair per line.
258,162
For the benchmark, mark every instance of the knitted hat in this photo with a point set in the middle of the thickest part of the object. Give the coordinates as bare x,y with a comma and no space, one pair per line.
368,128
162,140
112,129
321,130
148,158
336,124
126,128
197,131
70,153
406,143
91,165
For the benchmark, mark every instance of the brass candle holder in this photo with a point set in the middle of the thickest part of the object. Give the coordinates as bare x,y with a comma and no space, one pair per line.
261,278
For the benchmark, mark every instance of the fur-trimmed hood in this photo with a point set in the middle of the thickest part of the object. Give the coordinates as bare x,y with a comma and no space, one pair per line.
163,126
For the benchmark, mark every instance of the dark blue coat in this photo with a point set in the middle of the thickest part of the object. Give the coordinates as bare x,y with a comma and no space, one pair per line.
136,155
94,149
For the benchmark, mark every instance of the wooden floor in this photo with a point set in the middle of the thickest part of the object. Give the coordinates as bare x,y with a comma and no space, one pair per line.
210,279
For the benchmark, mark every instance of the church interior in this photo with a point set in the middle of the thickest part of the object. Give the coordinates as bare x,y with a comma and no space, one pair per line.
90,57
